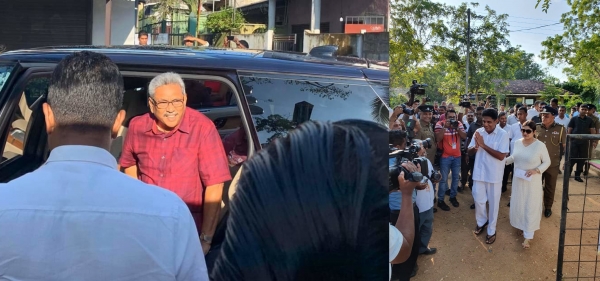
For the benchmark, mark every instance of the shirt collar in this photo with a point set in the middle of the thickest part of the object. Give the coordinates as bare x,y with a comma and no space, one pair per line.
184,126
82,153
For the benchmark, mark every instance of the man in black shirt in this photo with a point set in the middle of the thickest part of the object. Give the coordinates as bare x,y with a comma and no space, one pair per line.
471,159
582,124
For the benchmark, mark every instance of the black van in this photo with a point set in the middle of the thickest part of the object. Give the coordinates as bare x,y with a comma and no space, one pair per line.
264,94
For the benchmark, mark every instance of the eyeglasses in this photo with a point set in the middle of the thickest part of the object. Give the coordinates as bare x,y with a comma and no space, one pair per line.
165,104
528,131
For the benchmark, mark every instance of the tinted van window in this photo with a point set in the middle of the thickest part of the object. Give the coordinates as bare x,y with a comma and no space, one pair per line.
289,100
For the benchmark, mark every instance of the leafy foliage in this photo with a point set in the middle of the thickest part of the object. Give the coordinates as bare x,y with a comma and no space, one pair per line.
579,44
545,5
165,8
222,21
530,70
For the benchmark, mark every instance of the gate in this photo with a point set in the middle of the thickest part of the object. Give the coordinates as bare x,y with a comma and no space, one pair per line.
284,43
579,247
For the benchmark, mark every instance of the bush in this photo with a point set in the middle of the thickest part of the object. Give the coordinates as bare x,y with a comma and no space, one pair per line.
222,21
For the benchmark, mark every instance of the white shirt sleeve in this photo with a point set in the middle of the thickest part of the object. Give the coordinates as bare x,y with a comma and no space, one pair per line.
396,239
472,143
504,144
189,258
206,44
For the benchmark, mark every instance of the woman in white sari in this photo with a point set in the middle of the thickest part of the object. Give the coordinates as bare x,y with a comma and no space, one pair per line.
531,159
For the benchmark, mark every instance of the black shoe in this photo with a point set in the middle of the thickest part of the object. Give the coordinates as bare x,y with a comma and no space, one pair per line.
442,205
472,207
454,202
578,179
448,192
508,205
547,213
435,210
429,251
460,189
414,272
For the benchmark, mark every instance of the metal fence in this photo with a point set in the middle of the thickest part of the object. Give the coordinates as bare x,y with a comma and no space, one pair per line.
284,42
579,246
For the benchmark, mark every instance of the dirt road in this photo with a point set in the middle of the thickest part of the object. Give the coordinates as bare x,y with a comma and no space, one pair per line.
463,256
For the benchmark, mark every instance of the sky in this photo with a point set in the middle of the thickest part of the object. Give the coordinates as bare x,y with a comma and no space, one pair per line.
522,14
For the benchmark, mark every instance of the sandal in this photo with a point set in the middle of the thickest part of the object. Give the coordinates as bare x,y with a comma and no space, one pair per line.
479,229
525,244
490,239
520,232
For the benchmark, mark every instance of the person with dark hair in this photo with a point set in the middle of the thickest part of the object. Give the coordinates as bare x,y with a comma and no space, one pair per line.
582,124
77,217
512,117
240,44
490,146
554,136
562,117
189,40
311,206
442,113
554,103
531,159
535,110
449,133
576,111
143,38
508,168
538,118
179,149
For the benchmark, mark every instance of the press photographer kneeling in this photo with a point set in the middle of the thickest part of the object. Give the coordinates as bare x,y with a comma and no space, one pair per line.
406,159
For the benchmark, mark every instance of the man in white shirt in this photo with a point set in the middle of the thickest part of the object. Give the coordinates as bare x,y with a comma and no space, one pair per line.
562,118
77,217
490,146
512,117
535,110
502,124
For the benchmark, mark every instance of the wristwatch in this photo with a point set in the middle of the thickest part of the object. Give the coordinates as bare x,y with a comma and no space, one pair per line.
205,238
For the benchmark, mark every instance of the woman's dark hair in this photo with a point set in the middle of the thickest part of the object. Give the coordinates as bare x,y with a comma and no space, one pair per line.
311,206
530,124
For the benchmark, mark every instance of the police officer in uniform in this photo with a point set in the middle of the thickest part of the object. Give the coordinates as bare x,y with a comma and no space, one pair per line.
425,130
554,136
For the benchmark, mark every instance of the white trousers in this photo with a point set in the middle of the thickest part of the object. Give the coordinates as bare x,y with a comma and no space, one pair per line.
528,234
487,192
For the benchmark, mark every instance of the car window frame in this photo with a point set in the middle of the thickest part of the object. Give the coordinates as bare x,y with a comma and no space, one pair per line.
33,148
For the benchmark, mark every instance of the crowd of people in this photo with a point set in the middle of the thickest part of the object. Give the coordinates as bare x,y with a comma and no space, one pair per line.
472,144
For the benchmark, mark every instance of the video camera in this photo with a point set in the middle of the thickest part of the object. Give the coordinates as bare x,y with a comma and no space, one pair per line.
417,89
465,101
407,110
410,154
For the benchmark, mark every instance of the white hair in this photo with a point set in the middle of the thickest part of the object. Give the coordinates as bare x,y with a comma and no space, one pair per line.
165,79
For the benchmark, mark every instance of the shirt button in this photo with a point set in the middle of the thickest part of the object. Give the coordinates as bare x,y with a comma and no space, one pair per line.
164,139
163,157
161,175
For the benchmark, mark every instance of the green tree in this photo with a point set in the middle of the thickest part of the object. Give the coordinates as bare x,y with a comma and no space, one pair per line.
579,44
545,5
530,70
416,26
222,21
491,55
166,7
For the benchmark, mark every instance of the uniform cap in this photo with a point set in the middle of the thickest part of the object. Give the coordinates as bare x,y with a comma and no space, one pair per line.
550,110
426,108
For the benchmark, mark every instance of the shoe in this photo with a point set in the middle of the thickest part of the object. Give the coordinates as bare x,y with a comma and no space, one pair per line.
472,207
578,179
414,272
508,205
429,251
454,202
460,189
559,171
448,192
442,205
547,213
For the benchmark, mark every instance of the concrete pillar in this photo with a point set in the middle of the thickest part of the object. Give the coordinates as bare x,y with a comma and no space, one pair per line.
315,17
107,22
270,26
359,45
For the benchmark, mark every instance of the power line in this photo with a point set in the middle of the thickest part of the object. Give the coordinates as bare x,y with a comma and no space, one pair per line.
534,27
531,18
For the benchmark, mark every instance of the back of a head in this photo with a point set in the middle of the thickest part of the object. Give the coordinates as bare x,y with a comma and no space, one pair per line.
245,44
86,91
310,207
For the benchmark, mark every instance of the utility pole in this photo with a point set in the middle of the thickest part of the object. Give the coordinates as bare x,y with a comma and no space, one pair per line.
468,52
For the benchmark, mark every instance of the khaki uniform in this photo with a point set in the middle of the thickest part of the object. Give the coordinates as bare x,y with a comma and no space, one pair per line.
427,132
591,147
554,138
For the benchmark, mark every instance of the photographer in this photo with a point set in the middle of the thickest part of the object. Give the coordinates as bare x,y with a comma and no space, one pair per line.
397,199
425,204
426,130
450,133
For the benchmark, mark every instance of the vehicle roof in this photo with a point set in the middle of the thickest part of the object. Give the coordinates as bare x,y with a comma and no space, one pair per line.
206,58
